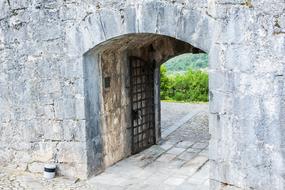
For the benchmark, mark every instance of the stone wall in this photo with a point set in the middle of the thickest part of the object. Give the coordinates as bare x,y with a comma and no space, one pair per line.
42,115
43,101
247,91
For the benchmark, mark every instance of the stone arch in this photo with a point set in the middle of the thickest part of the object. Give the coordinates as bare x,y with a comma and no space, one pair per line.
58,42
108,109
185,22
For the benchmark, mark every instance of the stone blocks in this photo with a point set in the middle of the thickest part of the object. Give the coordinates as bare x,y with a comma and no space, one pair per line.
44,111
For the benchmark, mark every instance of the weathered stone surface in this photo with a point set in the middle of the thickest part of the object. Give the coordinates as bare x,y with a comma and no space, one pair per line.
43,151
69,152
36,167
42,78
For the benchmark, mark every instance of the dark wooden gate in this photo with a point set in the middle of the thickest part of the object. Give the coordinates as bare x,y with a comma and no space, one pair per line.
142,102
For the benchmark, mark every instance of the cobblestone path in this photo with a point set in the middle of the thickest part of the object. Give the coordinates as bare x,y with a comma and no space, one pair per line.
180,162
173,112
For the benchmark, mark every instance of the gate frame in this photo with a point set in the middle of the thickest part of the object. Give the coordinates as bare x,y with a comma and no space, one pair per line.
130,58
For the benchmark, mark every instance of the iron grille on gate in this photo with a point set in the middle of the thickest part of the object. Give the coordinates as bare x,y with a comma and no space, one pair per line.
142,102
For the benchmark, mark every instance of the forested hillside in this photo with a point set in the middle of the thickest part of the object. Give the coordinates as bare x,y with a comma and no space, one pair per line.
183,63
185,78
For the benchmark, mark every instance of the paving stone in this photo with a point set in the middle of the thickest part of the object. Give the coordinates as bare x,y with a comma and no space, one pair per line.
107,178
197,162
207,183
175,180
203,173
193,150
166,146
176,163
196,181
184,144
144,174
185,170
172,141
166,157
176,150
205,152
195,130
156,179
187,155
199,145
200,178
187,186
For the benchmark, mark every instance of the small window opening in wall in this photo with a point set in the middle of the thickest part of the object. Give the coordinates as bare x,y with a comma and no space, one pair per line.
107,82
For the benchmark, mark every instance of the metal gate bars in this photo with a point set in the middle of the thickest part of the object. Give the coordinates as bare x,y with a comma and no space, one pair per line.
142,103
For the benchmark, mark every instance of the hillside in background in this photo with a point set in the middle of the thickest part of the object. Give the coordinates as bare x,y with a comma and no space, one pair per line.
183,63
185,78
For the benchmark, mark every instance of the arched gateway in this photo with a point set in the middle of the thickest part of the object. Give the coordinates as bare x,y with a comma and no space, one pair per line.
59,61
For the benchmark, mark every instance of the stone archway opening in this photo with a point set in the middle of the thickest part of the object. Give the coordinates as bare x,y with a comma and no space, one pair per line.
184,83
124,118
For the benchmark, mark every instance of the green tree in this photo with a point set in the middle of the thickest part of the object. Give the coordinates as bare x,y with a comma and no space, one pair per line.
164,83
188,87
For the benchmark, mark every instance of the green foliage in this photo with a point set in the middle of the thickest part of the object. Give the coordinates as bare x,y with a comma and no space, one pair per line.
191,86
164,82
182,78
182,63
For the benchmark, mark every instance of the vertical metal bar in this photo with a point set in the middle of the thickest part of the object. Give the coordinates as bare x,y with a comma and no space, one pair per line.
142,104
132,100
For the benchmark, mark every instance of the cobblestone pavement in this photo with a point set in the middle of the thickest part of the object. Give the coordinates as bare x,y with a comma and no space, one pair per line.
180,162
194,130
172,112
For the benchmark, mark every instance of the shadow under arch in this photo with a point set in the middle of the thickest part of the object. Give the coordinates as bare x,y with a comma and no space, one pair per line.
108,88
